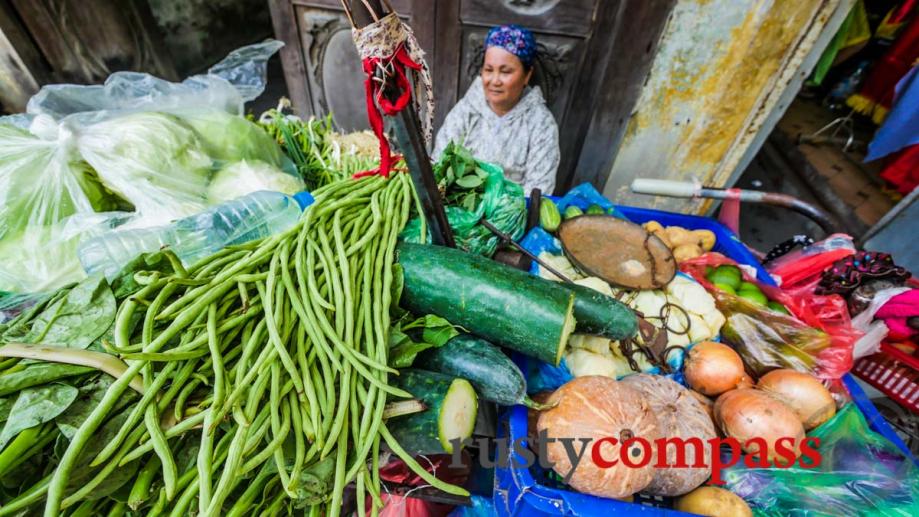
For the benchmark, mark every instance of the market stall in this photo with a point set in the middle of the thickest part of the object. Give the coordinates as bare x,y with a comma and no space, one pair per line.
205,313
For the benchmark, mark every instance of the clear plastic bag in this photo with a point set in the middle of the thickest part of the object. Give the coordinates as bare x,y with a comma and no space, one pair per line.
860,473
44,258
136,143
818,338
227,86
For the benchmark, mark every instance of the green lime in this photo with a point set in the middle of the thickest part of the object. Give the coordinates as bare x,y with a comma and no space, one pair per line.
727,275
756,297
748,286
777,307
726,288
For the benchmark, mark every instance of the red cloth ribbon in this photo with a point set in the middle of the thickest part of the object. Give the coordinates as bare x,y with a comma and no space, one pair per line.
375,96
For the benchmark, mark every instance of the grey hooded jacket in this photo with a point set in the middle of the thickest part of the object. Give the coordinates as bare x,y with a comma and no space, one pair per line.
524,142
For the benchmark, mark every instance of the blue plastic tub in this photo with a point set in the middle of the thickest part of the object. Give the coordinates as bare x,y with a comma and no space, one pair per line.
525,492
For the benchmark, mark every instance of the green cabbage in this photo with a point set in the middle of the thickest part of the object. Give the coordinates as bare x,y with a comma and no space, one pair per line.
154,160
229,138
42,182
245,177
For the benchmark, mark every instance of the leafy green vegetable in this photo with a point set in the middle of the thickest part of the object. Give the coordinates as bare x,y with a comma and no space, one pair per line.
89,396
124,284
6,404
42,182
37,374
321,156
430,331
78,319
35,406
459,177
229,138
155,161
245,177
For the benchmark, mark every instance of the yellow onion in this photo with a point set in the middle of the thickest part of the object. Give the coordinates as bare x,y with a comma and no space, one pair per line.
745,382
712,368
746,413
803,393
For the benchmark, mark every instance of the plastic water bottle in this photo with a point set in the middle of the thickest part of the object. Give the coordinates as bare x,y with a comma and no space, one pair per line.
241,220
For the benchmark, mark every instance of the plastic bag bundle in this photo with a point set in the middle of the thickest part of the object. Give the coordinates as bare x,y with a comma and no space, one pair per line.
136,143
502,205
860,473
819,337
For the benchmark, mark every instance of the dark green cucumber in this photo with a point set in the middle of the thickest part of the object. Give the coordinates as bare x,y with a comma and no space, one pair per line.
506,306
493,375
602,315
451,403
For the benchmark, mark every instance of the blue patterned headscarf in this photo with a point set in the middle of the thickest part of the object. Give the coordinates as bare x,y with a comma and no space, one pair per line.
514,39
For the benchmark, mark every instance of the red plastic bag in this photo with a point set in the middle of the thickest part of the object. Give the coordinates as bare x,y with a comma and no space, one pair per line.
397,472
802,268
826,313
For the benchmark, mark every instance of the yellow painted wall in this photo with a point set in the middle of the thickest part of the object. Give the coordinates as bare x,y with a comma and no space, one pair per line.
715,79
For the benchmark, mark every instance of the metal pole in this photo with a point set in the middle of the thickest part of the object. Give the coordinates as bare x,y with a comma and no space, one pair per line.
411,142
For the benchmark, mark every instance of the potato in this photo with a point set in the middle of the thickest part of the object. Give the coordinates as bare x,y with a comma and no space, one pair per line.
686,251
680,236
706,239
653,226
714,502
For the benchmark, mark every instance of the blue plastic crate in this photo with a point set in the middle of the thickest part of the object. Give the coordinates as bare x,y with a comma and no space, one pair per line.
517,492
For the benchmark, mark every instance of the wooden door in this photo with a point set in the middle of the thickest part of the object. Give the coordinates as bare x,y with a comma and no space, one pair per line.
321,65
594,56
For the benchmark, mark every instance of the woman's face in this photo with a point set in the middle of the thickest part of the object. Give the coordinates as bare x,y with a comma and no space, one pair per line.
504,79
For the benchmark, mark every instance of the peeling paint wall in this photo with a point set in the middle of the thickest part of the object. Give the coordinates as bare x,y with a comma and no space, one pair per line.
720,67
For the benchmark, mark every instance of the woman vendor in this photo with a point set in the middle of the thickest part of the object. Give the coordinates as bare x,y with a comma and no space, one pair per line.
504,121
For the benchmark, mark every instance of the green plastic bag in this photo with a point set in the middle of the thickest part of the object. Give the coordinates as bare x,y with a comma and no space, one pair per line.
860,473
501,204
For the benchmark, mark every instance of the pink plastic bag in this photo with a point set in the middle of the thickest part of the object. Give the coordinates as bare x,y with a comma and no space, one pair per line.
826,313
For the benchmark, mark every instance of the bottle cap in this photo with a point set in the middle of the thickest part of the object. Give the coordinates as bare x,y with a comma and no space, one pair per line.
304,199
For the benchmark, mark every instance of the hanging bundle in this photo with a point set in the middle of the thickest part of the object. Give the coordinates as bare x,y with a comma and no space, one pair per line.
388,50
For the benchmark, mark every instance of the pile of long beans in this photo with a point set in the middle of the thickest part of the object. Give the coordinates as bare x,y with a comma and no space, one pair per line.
271,357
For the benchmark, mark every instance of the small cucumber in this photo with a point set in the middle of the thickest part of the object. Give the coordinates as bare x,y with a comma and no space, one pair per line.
549,218
493,375
572,211
451,411
595,210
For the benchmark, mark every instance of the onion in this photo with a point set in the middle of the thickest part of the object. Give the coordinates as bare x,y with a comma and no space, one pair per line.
745,414
803,393
713,368
745,382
